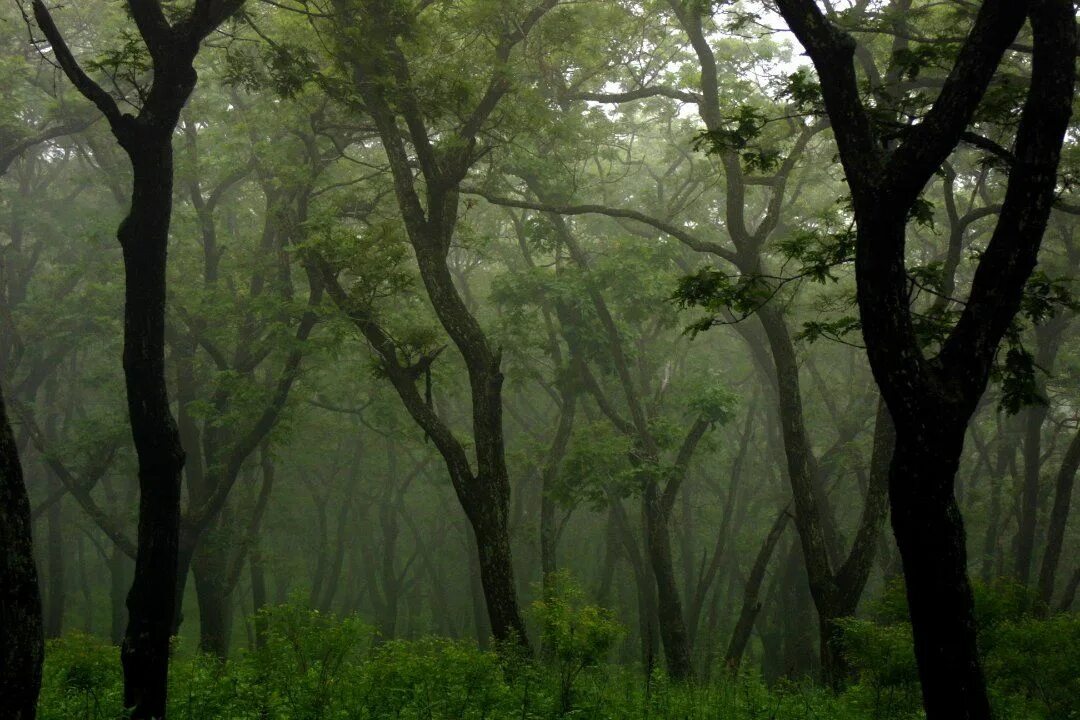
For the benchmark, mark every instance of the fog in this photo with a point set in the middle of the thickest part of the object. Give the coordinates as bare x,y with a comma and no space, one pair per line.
673,359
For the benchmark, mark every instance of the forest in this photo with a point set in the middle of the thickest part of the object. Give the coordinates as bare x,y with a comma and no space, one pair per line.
536,359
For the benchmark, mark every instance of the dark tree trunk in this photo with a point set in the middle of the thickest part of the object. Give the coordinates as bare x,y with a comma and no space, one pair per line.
151,601
930,534
1069,594
481,622
931,399
144,237
799,659
643,582
497,571
22,647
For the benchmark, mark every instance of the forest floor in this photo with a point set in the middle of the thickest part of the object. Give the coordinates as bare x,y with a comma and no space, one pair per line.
313,666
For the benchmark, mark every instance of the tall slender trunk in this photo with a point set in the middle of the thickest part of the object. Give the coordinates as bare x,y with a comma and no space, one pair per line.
751,606
489,521
22,645
258,592
151,602
118,585
56,594
799,661
1059,517
1024,557
930,535
669,606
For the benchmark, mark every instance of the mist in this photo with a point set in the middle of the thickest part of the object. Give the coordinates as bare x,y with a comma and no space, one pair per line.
536,359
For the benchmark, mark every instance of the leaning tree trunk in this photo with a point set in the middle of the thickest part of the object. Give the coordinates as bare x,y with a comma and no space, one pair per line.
751,605
22,644
930,535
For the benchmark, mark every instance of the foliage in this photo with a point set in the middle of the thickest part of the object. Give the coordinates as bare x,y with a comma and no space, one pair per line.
575,634
425,679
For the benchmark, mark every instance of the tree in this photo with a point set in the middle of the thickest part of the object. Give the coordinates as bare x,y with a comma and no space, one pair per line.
931,398
380,72
22,640
146,137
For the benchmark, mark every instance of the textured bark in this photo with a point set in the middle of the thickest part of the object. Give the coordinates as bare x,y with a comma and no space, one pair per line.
22,645
669,606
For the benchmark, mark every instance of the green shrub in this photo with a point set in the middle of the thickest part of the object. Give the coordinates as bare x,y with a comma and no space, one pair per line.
82,679
309,665
434,679
575,634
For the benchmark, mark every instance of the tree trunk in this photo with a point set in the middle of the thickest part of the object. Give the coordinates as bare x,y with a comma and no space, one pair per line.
22,646
481,622
751,606
1059,517
258,592
56,595
930,535
118,584
798,619
669,606
489,522
151,602
212,596
1024,556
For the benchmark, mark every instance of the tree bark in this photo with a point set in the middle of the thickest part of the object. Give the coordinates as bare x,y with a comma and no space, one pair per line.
151,602
22,644
144,235
930,534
